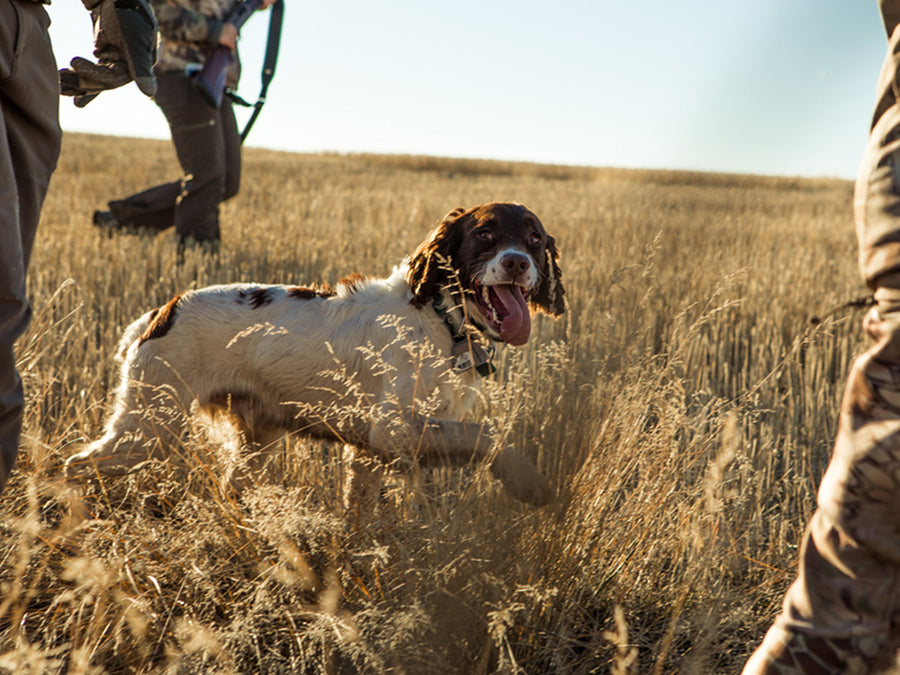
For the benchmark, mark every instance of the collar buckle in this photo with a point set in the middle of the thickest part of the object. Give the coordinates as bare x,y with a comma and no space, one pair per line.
468,354
468,351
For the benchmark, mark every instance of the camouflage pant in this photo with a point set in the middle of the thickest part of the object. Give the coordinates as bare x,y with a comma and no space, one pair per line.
842,614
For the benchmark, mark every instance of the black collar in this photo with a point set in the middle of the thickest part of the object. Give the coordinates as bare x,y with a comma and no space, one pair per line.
468,352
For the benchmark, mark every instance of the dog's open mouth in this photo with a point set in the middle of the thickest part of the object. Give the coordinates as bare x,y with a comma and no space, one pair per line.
506,310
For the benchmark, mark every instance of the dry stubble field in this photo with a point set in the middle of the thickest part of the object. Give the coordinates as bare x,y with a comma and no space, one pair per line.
684,409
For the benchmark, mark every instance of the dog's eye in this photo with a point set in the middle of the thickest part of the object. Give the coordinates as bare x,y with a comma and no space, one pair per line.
485,235
534,239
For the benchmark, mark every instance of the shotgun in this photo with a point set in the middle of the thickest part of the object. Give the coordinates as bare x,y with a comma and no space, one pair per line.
210,80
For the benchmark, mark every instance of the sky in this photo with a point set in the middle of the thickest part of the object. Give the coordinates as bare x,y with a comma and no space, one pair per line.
761,86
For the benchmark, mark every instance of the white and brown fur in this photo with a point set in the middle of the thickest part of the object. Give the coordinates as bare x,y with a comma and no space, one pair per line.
269,356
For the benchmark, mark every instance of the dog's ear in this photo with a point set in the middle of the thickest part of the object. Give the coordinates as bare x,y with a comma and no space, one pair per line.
549,297
428,266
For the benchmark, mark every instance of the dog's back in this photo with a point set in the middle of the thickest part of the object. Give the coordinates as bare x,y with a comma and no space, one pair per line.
276,357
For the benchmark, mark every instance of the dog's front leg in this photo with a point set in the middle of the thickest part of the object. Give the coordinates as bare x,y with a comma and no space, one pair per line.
362,482
457,443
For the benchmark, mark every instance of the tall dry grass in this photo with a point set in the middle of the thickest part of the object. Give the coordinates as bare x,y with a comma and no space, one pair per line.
684,409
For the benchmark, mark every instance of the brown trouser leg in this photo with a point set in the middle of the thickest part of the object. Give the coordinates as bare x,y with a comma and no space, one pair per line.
842,614
29,148
208,145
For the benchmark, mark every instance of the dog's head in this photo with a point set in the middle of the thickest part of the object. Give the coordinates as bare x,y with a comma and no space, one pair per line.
502,258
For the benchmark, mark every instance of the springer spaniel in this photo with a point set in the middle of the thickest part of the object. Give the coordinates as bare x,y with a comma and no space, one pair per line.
386,366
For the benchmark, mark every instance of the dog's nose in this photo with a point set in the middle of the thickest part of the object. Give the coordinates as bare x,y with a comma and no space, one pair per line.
515,262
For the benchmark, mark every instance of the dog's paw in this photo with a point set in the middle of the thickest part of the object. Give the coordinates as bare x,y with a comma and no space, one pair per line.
92,460
521,478
76,464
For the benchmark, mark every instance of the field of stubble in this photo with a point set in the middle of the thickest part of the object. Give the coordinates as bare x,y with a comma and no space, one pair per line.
683,408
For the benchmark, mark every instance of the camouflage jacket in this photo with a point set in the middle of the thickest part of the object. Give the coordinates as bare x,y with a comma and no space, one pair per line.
189,32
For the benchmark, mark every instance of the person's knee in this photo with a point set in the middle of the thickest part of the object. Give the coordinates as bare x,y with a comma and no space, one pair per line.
229,193
15,314
232,186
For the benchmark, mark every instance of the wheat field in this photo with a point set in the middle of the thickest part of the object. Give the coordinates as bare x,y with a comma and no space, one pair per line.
684,409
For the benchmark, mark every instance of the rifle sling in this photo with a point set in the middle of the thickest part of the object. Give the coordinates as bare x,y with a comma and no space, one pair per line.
268,70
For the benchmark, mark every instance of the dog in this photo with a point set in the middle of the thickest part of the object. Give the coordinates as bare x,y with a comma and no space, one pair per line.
387,366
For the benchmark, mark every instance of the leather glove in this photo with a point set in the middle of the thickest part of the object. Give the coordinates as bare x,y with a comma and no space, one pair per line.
125,48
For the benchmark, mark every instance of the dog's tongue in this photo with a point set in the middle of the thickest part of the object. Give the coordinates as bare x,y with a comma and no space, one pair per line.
516,325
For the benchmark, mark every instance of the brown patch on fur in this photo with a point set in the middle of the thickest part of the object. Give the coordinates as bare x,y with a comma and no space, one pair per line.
353,282
548,297
161,320
256,297
310,292
429,264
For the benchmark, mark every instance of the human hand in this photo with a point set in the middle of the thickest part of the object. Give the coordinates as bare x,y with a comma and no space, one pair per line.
125,48
229,36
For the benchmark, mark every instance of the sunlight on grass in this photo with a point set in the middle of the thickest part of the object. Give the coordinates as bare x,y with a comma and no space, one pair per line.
683,408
